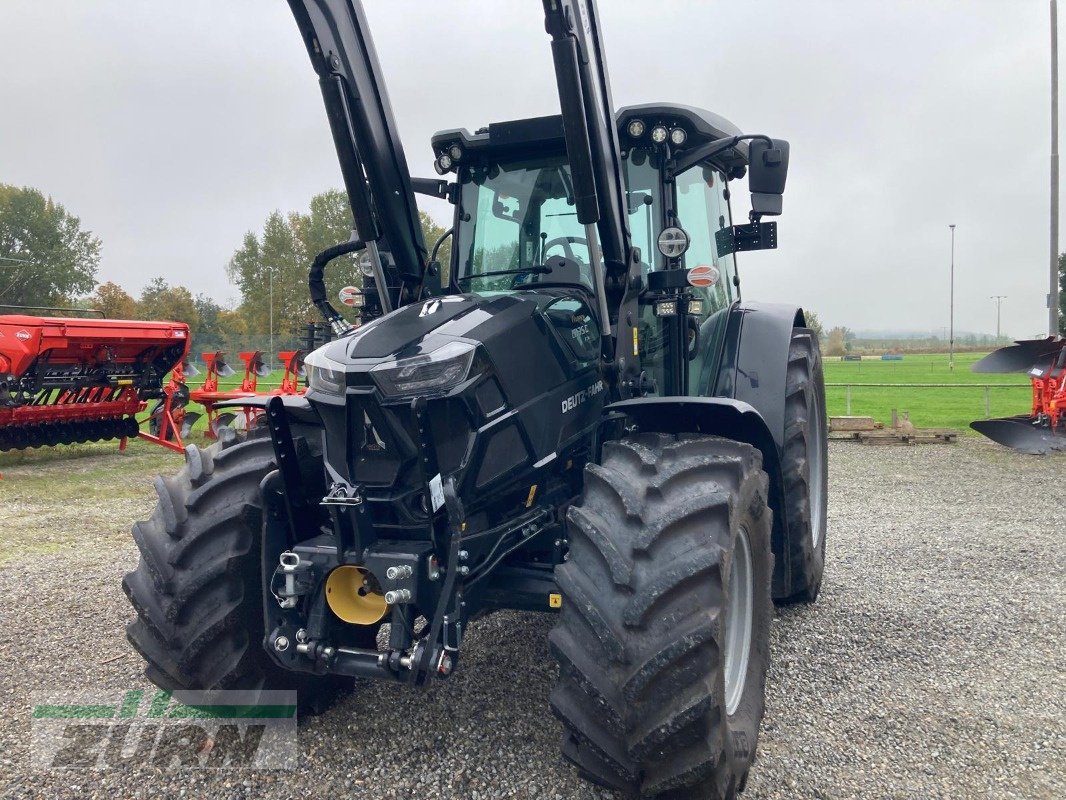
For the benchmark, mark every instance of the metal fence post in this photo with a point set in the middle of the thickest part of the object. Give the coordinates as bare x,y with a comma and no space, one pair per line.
988,402
848,407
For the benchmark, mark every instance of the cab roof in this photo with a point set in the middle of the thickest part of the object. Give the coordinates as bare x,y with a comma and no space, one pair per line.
544,135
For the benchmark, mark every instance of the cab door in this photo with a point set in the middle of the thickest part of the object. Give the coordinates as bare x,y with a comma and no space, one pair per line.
702,206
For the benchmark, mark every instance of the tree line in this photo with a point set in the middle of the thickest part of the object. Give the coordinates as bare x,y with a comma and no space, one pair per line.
46,259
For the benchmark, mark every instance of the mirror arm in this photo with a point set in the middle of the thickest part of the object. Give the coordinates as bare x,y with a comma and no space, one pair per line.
690,159
431,187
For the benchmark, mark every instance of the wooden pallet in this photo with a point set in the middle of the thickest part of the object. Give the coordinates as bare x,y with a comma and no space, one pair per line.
848,424
889,436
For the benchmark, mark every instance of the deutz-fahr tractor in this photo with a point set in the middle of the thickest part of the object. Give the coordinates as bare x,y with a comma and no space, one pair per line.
575,413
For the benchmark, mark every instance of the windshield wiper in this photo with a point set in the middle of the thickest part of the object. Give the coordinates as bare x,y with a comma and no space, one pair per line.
537,270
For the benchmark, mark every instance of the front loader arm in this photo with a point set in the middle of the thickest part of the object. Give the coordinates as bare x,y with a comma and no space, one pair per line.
599,183
365,134
585,97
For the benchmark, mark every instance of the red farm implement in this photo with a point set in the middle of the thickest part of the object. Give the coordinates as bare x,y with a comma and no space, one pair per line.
79,380
1043,430
210,393
170,421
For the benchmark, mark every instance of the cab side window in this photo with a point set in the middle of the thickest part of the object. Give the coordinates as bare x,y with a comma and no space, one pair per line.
702,206
703,210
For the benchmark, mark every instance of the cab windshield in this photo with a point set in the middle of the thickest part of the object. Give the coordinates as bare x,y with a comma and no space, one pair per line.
520,228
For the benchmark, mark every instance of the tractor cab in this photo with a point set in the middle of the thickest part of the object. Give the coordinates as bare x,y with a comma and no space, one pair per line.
516,225
516,228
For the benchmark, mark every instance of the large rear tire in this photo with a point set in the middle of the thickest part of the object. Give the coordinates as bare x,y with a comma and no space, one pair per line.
666,606
197,586
805,466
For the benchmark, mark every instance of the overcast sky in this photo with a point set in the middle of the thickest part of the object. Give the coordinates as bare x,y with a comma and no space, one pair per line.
171,128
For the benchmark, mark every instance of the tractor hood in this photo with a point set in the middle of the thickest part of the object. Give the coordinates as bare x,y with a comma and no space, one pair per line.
496,384
418,327
510,331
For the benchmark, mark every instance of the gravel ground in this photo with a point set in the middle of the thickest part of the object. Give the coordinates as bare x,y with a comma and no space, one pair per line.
931,666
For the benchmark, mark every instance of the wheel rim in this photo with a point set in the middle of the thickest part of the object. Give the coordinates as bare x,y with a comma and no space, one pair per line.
738,623
816,480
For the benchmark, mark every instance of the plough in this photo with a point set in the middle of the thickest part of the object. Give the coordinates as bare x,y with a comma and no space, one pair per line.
1043,430
69,380
209,393
170,422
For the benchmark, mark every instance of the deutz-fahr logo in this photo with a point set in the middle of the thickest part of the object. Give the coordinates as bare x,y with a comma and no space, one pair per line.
574,400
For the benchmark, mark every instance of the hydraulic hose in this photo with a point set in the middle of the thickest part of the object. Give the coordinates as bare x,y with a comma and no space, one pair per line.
316,284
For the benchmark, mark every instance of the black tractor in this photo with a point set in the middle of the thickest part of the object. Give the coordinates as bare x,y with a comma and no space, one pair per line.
574,413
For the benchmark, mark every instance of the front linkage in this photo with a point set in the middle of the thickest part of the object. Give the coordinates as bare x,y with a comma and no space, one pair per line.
347,570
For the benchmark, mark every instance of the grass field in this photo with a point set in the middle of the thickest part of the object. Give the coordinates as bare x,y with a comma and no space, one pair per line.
949,407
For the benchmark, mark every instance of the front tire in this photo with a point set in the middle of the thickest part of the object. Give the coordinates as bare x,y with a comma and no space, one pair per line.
649,616
197,587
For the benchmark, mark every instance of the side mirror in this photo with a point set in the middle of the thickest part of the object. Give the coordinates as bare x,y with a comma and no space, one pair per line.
767,171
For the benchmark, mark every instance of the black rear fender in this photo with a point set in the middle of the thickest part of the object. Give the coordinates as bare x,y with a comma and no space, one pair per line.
749,405
755,360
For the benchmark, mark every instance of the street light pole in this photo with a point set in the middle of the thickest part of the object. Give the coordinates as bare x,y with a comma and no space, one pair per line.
1053,291
271,356
951,334
999,298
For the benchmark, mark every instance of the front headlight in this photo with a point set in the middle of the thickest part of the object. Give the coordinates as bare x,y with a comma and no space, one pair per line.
433,372
324,374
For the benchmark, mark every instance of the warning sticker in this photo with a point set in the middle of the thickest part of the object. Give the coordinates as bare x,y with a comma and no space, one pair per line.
436,492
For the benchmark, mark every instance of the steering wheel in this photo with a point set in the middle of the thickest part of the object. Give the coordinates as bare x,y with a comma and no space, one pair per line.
564,242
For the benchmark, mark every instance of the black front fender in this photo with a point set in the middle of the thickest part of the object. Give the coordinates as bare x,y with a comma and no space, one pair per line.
731,419
713,416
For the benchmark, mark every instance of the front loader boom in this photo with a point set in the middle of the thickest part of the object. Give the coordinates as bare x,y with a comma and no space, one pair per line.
365,134
589,123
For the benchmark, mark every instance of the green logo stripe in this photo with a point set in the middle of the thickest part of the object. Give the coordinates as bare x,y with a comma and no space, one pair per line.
232,712
73,712
130,703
